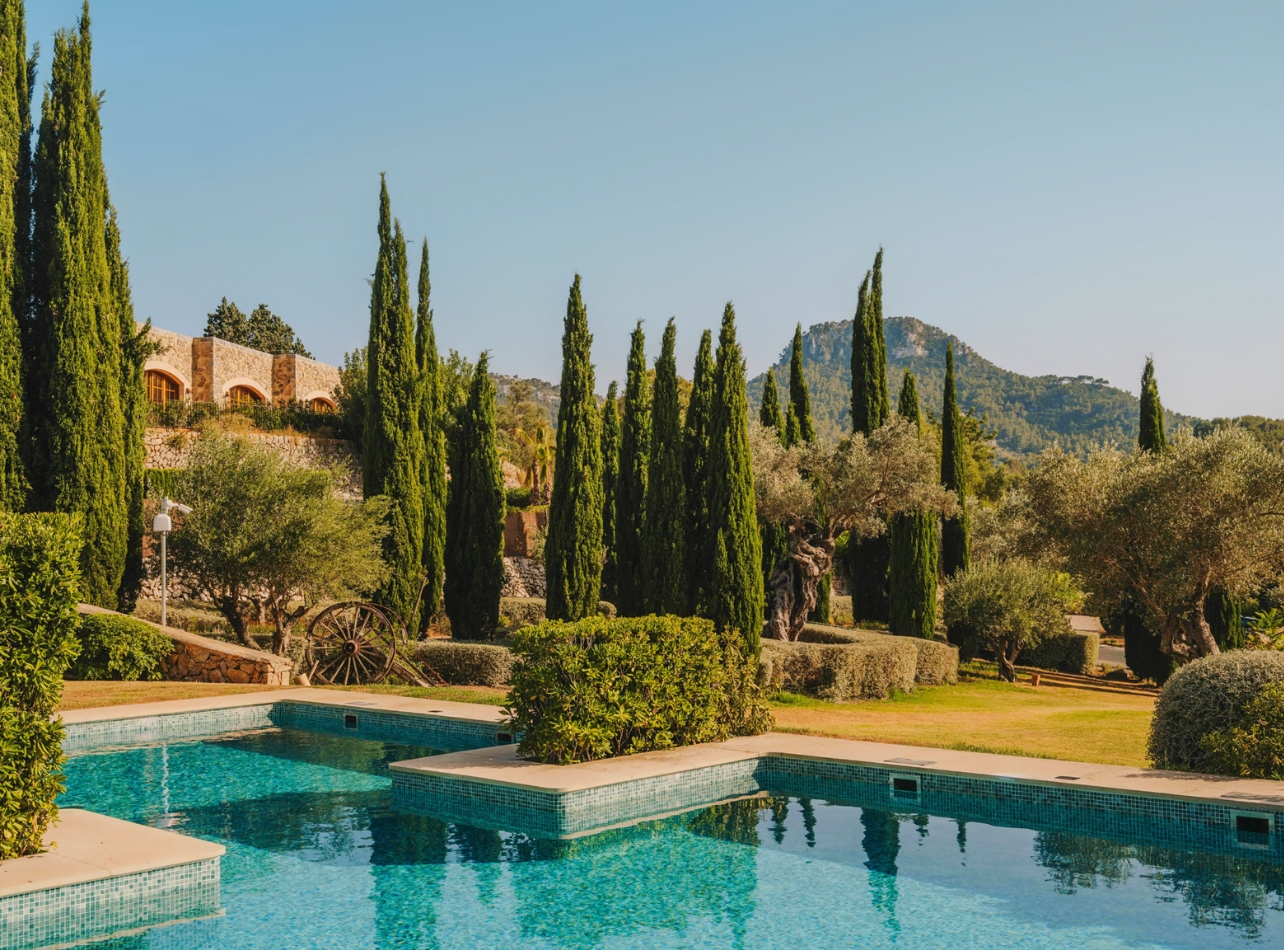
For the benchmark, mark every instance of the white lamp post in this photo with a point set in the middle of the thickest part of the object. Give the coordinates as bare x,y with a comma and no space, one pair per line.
161,525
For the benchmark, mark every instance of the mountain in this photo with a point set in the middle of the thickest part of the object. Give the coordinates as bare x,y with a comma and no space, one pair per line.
1028,413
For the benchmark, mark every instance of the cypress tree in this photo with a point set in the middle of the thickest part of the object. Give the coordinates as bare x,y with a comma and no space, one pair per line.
433,480
799,398
769,412
393,444
573,545
15,144
630,485
792,433
78,463
475,555
695,470
736,592
663,535
913,566
955,555
1151,430
610,472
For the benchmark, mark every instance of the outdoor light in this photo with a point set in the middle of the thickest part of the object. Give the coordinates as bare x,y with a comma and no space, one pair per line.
161,525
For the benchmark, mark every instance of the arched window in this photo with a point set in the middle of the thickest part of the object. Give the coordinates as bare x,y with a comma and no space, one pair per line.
322,405
239,396
161,388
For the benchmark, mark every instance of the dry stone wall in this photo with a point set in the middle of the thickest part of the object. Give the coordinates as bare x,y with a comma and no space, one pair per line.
169,448
523,578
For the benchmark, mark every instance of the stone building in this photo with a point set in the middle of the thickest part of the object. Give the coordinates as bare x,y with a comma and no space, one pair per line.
207,369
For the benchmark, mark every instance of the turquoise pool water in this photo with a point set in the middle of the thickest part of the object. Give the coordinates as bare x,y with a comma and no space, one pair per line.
318,858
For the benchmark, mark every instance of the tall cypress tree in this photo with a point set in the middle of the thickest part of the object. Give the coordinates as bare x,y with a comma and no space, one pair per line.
1151,430
769,412
630,485
663,534
475,555
79,462
955,554
431,424
393,444
913,566
573,544
610,473
799,398
15,143
695,470
736,592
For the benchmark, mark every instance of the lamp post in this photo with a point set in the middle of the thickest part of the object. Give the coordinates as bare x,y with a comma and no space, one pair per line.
161,525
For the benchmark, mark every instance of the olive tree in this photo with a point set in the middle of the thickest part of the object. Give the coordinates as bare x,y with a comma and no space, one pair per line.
1009,605
859,483
1166,528
262,529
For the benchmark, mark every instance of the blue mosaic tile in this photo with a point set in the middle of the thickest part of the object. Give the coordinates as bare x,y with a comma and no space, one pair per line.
434,732
98,909
145,730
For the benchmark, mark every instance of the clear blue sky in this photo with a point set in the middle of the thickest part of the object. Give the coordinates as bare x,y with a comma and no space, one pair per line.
1067,187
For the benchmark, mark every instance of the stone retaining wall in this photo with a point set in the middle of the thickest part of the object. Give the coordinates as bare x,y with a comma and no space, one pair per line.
523,578
169,448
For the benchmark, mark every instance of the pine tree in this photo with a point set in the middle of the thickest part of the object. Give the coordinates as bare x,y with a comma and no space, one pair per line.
913,566
15,144
1151,430
393,444
799,398
610,473
228,322
955,554
663,534
433,480
78,460
475,554
695,471
573,543
630,485
736,591
769,412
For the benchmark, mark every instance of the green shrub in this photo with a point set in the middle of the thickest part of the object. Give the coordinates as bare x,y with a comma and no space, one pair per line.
466,664
597,688
39,574
1069,652
840,672
528,611
192,619
1254,748
114,647
1207,697
517,498
937,664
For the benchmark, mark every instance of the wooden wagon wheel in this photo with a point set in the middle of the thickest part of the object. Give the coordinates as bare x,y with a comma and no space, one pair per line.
350,644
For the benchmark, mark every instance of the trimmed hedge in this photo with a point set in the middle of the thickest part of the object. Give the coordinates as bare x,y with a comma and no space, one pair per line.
528,611
191,619
597,688
466,664
1255,747
1069,652
39,576
114,647
839,672
937,663
1204,698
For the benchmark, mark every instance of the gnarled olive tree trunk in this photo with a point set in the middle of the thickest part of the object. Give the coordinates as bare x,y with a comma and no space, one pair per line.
795,582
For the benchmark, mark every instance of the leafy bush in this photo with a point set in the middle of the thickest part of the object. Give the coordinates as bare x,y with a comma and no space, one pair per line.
1254,748
840,672
466,664
1071,652
528,611
39,574
937,664
192,619
518,497
597,688
1207,697
114,647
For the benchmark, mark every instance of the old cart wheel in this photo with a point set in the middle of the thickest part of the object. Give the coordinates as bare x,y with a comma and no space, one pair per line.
350,644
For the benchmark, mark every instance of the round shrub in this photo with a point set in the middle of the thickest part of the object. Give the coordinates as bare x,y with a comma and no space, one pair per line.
113,647
1254,748
1207,697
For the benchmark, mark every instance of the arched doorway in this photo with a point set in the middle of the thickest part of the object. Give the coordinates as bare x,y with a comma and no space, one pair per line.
162,388
243,397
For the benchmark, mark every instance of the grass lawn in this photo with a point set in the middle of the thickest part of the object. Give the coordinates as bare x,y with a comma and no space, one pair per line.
86,694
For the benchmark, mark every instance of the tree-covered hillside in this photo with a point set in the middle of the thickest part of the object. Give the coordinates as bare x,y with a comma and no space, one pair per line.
1029,413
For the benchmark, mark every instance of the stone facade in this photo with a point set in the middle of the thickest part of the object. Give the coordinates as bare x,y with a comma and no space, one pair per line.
217,366
298,379
174,359
523,578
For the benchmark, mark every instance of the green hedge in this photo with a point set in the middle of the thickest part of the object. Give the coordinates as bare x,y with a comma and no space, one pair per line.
1070,652
466,664
937,663
528,611
191,619
159,482
840,672
597,688
1255,747
39,574
1204,698
114,647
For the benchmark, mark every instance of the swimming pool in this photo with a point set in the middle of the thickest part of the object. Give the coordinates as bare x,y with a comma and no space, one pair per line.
318,857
